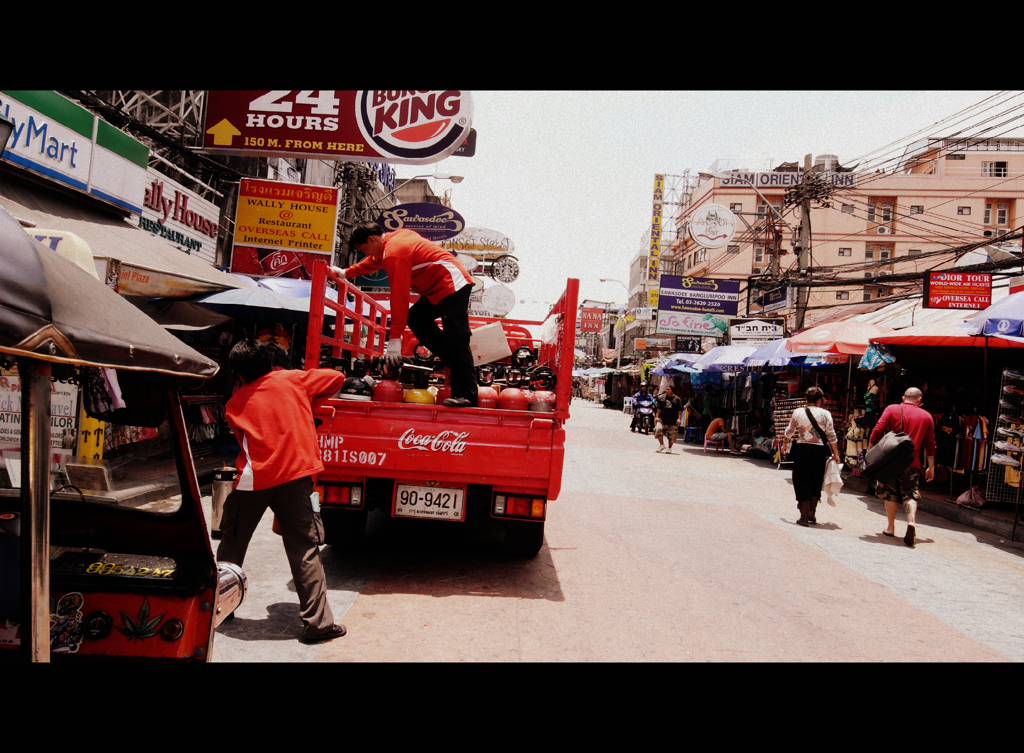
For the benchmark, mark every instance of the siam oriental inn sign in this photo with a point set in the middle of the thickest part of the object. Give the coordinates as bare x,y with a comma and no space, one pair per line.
785,179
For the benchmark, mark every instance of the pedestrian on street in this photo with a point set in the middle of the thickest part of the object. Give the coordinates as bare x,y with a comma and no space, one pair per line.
271,415
414,263
910,418
667,419
812,432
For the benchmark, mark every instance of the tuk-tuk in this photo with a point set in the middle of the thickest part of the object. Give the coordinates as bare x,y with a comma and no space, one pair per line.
81,575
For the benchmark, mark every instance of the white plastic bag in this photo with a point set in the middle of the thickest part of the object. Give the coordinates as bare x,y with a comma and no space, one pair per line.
833,481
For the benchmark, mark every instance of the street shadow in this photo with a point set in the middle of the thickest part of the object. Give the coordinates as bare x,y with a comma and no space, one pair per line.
440,559
279,625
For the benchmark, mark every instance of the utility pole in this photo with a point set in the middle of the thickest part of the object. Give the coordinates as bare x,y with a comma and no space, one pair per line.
804,257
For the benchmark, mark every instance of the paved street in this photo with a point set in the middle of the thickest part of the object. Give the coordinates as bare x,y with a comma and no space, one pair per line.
650,557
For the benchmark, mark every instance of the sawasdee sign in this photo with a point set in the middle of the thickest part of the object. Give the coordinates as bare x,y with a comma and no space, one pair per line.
410,127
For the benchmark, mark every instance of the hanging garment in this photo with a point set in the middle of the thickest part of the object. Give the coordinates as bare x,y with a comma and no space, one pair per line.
947,439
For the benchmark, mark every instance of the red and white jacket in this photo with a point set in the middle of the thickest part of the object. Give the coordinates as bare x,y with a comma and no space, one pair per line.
272,418
413,263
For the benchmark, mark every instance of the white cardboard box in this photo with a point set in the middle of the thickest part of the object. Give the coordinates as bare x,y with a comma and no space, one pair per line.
489,344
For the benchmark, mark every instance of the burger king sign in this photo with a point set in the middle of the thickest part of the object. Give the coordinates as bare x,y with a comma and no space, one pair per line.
411,127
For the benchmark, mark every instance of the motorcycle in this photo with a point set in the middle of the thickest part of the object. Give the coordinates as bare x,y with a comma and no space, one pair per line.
644,406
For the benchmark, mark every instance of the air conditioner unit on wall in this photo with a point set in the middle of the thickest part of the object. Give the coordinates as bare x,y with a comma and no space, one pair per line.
883,230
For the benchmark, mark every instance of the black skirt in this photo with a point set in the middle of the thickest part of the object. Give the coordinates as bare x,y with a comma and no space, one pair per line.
809,470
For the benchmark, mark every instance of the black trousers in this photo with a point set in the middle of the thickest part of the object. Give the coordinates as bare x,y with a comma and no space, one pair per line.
809,470
450,344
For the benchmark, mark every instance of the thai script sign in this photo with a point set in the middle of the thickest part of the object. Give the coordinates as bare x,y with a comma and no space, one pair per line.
410,127
435,222
705,295
957,290
282,228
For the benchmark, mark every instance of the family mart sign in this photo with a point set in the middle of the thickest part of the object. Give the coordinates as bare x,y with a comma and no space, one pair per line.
62,142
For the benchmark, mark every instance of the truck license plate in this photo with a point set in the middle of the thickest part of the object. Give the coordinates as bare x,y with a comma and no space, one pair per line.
439,503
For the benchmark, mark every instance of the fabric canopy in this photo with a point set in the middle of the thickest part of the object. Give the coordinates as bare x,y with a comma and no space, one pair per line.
850,337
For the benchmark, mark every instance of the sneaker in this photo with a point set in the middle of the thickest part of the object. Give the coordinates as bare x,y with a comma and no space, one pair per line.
660,449
1008,405
1003,431
1005,460
1013,374
1007,447
1013,390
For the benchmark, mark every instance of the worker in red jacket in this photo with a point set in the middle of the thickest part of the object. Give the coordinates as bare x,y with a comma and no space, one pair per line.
414,263
271,415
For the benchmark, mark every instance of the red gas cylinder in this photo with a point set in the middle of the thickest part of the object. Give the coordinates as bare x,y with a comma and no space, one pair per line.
388,391
486,397
513,398
543,401
444,390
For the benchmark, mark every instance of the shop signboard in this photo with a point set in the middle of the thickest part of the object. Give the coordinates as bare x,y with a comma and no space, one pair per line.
435,222
591,319
785,179
479,242
696,325
59,141
712,225
699,295
281,229
687,344
957,290
756,331
407,127
183,218
777,300
63,421
654,246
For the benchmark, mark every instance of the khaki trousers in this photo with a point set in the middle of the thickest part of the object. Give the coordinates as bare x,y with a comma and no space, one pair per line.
301,533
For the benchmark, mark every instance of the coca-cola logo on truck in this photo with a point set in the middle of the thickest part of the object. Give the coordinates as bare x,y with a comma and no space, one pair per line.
446,441
413,124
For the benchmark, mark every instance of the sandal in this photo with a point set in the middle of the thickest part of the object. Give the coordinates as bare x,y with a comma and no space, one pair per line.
337,631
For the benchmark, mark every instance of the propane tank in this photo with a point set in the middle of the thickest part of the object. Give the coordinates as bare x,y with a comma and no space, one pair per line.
388,389
542,401
419,393
486,397
513,398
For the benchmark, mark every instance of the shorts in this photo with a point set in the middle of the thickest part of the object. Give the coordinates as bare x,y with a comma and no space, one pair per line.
671,431
718,436
901,488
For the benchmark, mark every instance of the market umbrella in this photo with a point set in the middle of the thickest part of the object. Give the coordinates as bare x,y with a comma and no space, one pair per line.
770,356
850,337
1005,318
53,311
725,358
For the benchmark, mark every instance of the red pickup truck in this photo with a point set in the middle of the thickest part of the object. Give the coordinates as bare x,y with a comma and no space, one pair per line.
432,463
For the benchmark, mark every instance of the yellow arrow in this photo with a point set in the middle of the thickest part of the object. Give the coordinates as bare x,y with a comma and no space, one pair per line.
223,133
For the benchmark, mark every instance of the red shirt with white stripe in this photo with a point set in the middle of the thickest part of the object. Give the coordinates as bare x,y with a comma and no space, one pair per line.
272,418
413,263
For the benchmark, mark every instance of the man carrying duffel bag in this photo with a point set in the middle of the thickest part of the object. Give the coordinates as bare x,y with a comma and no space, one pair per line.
907,417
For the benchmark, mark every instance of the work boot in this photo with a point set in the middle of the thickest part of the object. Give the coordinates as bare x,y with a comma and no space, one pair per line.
811,509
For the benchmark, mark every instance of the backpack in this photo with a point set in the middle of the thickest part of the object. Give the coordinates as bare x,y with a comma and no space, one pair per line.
893,454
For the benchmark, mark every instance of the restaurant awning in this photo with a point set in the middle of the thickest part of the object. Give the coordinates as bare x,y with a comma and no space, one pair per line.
149,266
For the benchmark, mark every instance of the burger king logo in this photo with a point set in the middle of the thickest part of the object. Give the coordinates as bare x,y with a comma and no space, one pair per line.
414,126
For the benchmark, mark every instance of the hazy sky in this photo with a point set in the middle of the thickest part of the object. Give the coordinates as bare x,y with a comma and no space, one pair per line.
569,176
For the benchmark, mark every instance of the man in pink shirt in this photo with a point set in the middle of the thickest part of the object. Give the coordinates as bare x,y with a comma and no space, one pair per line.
414,263
911,419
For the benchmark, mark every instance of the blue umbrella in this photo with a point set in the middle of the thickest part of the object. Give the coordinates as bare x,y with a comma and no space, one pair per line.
1000,319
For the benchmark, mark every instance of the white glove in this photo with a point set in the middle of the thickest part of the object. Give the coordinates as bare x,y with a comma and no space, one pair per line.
338,271
393,352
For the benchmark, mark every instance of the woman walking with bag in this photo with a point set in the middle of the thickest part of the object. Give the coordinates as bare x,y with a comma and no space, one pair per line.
812,430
